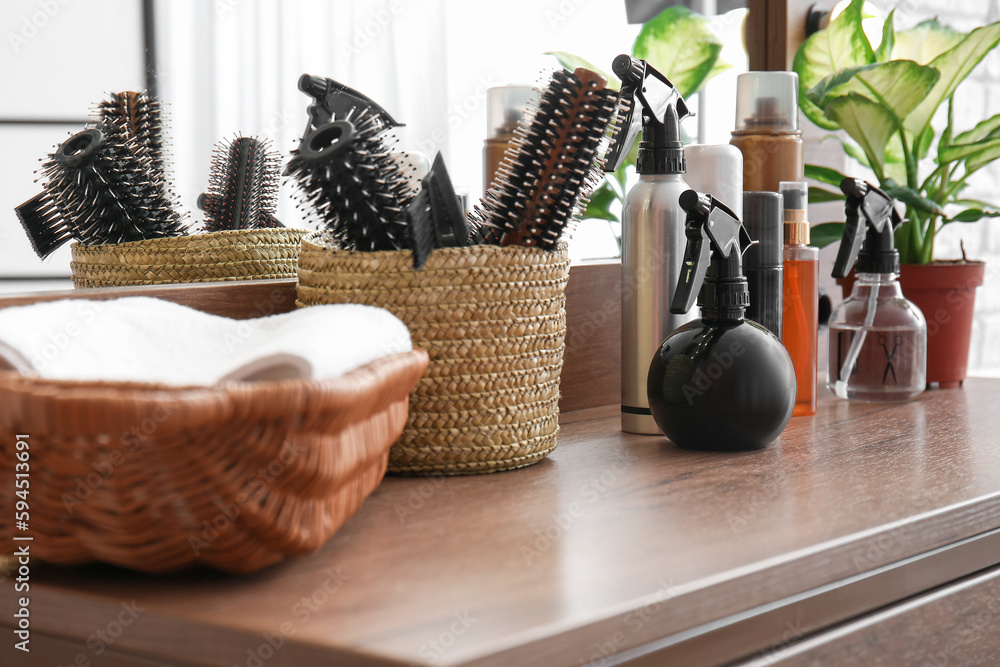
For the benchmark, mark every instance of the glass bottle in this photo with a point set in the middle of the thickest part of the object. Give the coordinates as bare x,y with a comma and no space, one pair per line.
878,343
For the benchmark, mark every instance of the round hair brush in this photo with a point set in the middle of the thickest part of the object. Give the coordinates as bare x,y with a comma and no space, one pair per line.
349,180
553,165
242,186
105,191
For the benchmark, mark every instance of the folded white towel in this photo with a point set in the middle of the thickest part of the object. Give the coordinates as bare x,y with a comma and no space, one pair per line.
140,339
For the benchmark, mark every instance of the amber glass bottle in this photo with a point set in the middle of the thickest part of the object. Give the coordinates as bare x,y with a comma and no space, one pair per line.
800,296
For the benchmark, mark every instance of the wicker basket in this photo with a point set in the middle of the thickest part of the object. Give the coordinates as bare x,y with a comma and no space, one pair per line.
236,477
493,321
241,254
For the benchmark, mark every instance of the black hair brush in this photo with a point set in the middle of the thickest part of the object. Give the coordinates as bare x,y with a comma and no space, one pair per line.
349,179
136,116
554,164
98,190
242,186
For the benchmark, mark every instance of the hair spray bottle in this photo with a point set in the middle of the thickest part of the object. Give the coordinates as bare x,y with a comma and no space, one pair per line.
652,228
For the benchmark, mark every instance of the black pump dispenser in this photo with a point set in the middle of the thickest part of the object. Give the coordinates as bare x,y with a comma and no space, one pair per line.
661,150
721,382
870,220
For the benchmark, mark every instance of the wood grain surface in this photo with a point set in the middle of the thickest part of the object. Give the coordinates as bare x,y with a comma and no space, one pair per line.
618,547
958,625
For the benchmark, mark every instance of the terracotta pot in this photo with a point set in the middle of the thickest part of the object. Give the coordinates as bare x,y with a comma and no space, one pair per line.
946,294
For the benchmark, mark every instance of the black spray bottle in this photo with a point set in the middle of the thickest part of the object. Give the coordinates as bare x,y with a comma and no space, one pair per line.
878,339
721,382
652,227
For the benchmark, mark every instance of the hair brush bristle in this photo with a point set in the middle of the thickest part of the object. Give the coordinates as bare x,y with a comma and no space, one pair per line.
243,186
553,164
349,180
105,191
135,115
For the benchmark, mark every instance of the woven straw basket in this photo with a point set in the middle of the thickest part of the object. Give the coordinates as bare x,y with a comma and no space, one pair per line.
236,477
493,321
240,254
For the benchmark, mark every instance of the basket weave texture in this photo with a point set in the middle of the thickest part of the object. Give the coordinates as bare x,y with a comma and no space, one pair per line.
494,323
236,477
240,254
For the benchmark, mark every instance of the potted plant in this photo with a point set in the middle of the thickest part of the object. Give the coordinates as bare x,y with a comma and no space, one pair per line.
884,99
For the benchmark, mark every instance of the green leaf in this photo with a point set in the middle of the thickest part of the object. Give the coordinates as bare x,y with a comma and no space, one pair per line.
826,233
821,196
923,143
680,45
600,203
868,123
973,215
571,62
841,44
900,85
911,197
925,42
990,151
977,203
824,174
960,151
954,65
852,150
884,50
980,131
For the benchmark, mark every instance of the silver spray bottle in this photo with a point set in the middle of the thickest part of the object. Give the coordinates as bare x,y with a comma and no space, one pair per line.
652,228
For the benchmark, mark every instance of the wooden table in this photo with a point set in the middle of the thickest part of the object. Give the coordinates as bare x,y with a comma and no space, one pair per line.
868,534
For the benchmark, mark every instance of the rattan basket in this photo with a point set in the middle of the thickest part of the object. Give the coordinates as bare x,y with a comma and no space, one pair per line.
241,254
236,477
493,321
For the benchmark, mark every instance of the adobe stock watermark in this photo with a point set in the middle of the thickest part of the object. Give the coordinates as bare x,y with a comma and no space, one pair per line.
59,340
104,467
257,485
301,612
457,114
367,32
590,492
102,638
634,621
719,361
34,23
434,649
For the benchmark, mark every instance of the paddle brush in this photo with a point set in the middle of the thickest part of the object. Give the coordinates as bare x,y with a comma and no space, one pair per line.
351,183
242,186
554,163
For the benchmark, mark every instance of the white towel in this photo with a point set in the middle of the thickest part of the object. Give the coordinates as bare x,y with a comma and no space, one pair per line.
141,339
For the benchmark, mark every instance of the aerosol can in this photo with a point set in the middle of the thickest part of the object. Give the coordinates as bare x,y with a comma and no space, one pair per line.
652,227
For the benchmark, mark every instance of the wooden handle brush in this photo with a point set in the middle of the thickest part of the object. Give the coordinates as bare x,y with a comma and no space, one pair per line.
553,164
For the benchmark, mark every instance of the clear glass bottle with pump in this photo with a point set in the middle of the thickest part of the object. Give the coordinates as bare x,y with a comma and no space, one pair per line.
878,343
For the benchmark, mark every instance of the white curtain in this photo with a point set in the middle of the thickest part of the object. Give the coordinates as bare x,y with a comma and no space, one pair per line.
232,66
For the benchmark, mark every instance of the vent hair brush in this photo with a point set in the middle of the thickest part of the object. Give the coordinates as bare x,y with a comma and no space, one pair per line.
349,180
554,163
242,186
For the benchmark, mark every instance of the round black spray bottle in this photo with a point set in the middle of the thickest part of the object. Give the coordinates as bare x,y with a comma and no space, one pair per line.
721,382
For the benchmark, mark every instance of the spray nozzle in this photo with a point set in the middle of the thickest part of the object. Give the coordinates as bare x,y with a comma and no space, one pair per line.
870,219
661,108
713,266
335,101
